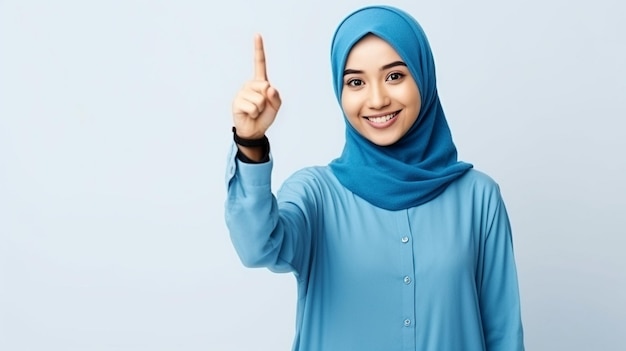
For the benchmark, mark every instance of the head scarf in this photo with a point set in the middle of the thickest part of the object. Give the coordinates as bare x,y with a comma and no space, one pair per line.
420,165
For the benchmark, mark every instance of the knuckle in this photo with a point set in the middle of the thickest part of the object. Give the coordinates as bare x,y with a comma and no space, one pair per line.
262,84
259,100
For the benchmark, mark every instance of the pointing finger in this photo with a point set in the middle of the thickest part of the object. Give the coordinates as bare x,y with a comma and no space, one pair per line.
260,72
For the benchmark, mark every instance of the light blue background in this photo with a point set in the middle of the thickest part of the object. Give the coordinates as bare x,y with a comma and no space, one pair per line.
115,123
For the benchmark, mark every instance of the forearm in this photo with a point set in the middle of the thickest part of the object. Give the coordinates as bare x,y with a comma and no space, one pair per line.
263,233
251,215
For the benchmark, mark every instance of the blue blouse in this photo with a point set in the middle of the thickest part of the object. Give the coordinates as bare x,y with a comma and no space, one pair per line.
440,276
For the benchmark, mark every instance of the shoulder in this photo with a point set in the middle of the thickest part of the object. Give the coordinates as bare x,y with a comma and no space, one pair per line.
477,178
475,195
476,184
311,179
321,176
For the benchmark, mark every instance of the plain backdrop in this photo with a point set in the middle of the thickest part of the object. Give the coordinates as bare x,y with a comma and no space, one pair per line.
115,125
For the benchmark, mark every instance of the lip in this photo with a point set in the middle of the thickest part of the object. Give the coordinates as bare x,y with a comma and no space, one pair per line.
382,125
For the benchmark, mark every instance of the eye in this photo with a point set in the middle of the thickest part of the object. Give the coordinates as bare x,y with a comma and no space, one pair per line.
354,82
395,76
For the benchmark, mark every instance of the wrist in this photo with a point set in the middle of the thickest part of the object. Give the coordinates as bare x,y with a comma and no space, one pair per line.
252,150
249,142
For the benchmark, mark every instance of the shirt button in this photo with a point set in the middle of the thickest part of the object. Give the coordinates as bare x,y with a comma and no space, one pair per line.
405,239
407,322
407,280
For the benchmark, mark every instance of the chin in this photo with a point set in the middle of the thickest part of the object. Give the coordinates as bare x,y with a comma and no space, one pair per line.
383,141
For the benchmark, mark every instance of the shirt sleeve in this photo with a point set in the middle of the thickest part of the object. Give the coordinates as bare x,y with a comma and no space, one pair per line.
497,283
263,233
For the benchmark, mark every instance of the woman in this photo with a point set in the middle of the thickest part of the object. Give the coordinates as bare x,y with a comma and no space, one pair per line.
396,245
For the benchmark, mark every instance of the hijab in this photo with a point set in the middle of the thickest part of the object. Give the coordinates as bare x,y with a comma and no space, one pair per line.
420,165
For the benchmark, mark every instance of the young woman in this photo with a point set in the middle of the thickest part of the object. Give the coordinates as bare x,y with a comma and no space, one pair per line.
395,245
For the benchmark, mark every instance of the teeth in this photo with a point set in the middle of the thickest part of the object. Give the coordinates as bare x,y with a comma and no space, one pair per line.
382,119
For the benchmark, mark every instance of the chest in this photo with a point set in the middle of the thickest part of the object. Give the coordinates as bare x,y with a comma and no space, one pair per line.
438,240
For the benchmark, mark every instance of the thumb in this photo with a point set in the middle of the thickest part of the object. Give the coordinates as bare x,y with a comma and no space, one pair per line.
274,98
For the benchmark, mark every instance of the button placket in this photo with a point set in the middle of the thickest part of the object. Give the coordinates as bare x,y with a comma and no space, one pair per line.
406,280
408,255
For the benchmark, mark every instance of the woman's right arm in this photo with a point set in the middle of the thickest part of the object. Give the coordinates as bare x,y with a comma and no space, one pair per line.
262,235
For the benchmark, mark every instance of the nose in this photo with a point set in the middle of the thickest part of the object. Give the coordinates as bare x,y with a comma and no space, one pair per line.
378,96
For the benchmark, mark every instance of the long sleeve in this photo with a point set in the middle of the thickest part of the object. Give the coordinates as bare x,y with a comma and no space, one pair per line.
498,286
263,235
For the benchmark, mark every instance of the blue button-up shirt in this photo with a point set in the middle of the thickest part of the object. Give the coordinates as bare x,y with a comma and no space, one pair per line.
440,276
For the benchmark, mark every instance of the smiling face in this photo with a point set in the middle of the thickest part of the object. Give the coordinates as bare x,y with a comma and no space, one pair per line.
379,97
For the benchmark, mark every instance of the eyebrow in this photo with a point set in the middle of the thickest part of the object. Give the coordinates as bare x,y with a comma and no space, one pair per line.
387,66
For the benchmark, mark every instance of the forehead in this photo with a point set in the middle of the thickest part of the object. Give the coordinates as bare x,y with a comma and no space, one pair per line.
371,49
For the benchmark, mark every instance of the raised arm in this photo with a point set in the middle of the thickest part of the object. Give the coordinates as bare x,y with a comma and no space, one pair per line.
263,233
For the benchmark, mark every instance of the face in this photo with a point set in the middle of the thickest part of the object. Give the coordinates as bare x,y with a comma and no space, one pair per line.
380,97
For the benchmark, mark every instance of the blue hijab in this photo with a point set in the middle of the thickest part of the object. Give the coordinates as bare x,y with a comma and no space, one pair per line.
420,165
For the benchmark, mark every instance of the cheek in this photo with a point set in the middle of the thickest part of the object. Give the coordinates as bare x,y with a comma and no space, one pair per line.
349,105
412,100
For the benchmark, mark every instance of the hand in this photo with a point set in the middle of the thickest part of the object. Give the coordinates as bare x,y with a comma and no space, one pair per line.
255,106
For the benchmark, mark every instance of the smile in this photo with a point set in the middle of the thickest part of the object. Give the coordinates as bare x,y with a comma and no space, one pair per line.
383,118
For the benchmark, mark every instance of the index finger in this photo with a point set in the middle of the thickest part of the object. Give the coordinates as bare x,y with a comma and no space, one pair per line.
260,72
